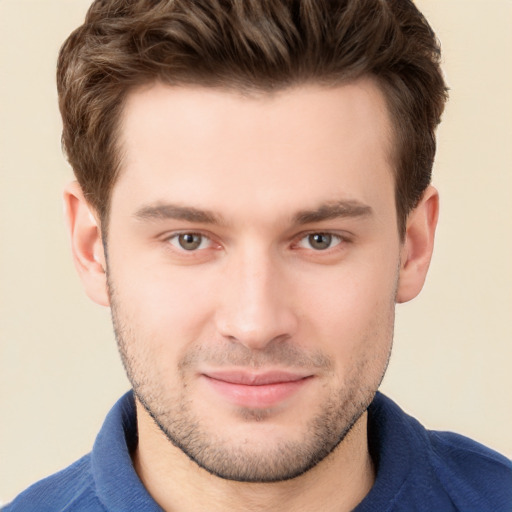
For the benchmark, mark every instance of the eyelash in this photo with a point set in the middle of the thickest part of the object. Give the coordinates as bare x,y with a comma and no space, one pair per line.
176,237
334,237
331,236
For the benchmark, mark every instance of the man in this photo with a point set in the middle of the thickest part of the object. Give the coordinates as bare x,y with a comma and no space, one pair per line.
253,198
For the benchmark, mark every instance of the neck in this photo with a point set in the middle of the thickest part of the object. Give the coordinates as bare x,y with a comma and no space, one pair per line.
338,483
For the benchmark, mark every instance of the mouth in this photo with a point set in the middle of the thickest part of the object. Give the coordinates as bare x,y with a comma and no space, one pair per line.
256,390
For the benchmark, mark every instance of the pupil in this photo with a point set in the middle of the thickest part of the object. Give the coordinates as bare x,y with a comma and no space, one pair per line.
190,241
320,240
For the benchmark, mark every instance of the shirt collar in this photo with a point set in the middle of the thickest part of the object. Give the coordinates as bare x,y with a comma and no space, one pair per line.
118,485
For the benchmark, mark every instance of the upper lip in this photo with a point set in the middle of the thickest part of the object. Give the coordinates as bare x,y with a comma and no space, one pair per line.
249,378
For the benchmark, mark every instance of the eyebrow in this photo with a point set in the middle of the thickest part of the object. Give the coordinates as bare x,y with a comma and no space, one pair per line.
326,211
177,212
333,210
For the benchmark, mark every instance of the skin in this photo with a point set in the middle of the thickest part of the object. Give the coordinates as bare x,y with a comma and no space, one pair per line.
297,269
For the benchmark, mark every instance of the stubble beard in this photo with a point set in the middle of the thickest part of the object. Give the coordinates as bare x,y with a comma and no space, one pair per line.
246,462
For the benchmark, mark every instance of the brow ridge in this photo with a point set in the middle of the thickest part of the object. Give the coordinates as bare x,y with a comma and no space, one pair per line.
162,211
326,211
333,210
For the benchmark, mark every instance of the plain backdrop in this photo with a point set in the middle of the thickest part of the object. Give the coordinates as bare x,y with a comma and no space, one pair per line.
59,368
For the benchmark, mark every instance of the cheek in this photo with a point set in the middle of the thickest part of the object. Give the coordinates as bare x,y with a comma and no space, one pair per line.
352,312
165,307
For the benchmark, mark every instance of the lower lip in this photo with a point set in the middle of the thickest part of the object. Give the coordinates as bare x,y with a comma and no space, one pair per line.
264,396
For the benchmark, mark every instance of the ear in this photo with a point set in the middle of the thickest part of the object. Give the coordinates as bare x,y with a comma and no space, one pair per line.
418,246
86,243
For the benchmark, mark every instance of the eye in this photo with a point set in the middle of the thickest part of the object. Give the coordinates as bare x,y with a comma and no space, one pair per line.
190,241
319,241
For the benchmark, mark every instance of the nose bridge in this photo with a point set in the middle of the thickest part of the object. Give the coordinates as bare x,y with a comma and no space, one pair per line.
254,307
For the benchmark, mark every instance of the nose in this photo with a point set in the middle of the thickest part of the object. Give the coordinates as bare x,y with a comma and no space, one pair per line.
256,303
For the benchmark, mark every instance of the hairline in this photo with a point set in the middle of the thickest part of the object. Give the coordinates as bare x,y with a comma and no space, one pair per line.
252,91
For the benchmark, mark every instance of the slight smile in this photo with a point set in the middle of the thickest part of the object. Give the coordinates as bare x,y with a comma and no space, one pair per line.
256,390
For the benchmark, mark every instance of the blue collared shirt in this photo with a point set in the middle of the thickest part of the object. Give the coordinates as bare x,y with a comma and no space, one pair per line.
416,469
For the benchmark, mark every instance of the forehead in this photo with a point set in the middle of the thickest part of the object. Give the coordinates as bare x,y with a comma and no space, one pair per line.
224,150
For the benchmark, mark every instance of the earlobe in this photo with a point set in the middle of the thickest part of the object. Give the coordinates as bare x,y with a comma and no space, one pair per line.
418,246
86,243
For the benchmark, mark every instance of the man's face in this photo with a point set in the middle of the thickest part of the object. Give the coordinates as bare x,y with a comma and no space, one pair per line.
253,259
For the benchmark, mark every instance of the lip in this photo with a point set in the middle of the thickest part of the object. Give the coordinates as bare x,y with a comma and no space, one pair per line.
255,390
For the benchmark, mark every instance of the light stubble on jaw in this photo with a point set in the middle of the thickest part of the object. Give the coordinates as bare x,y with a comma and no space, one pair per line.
246,461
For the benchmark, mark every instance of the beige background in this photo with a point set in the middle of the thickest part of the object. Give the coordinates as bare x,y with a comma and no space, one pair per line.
59,370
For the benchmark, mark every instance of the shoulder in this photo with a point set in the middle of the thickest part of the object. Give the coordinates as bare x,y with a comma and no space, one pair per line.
71,489
471,472
417,467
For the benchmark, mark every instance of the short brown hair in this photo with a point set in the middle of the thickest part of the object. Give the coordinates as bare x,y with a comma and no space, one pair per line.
258,45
